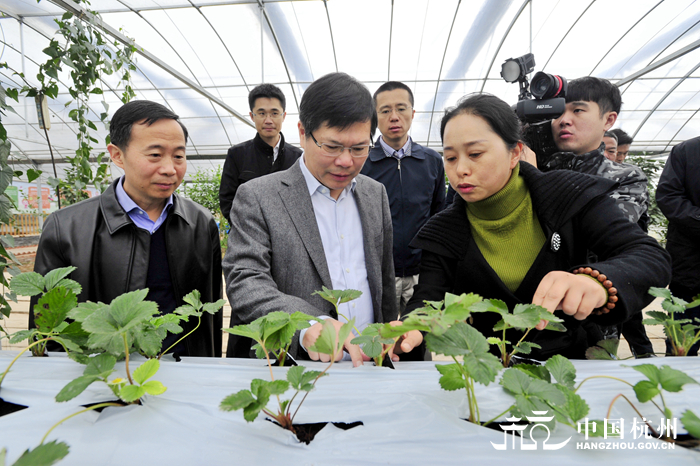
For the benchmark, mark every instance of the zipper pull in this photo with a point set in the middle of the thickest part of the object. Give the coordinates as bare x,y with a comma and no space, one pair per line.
399,166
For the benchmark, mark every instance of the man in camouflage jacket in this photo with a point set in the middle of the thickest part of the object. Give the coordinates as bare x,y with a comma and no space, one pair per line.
592,106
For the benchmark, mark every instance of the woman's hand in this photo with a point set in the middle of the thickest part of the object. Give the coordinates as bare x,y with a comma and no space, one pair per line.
576,295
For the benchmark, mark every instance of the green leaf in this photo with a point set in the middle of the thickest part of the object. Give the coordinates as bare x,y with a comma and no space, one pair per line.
537,372
555,326
237,401
575,407
646,390
518,383
146,370
562,370
650,371
691,423
213,308
27,284
153,387
459,339
596,352
67,344
491,305
337,297
52,278
75,387
252,330
452,378
22,335
194,299
45,454
329,342
525,347
660,292
70,285
524,316
100,366
672,380
130,393
83,310
130,309
278,387
52,308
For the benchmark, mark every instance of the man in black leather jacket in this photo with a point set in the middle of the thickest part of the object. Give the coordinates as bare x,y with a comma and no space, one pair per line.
139,233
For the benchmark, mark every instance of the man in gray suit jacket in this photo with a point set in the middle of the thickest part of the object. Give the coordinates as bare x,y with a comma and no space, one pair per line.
316,224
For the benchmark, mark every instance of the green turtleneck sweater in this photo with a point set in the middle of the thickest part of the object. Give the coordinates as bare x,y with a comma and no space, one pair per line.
507,231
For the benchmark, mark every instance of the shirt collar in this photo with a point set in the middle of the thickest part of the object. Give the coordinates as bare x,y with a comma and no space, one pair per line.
128,204
314,185
389,151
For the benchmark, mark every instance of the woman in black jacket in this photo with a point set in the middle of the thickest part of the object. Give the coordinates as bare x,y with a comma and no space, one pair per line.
523,236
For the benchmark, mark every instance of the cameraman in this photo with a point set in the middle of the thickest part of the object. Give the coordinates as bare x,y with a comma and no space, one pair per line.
592,106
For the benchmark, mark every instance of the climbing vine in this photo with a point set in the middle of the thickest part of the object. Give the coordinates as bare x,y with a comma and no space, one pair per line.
82,49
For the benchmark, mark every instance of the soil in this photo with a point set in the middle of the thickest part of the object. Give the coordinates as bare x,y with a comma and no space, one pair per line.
8,408
306,432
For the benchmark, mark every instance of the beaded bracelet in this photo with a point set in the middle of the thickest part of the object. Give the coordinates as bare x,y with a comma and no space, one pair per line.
612,291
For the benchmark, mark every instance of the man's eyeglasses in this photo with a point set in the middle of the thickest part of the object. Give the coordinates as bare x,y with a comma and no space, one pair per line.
264,115
334,150
400,110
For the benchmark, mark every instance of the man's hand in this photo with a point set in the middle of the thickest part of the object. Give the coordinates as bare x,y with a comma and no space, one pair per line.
314,331
405,343
527,155
576,295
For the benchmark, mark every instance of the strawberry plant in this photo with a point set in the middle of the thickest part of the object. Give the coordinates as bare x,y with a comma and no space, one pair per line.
273,334
658,380
682,333
524,317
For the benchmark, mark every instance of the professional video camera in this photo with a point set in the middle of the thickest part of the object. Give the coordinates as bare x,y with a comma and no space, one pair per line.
538,102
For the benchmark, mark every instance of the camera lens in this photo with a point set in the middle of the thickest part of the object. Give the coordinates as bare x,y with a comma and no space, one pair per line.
546,86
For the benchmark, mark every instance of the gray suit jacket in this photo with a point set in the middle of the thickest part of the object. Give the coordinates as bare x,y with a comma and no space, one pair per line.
275,258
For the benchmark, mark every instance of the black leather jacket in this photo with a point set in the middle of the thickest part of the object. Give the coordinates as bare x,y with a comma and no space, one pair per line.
111,255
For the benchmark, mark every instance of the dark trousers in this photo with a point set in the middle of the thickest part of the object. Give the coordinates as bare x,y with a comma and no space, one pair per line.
686,294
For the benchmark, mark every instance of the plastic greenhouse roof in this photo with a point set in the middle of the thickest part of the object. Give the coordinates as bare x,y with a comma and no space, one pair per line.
201,58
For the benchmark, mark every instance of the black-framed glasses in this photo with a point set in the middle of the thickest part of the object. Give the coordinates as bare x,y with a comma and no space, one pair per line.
334,150
401,110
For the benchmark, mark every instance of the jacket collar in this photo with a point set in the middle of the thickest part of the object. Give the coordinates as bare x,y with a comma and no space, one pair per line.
377,153
264,147
116,218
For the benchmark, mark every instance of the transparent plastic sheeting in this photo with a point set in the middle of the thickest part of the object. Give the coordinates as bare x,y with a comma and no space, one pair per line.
408,418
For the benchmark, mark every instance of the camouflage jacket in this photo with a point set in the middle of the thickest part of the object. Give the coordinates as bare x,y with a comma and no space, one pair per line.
631,196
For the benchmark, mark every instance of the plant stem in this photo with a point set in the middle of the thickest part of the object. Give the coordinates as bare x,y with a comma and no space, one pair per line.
20,354
602,377
518,344
635,410
498,416
101,405
199,321
307,393
126,358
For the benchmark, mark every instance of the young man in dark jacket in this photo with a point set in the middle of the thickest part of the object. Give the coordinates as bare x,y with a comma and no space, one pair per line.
140,234
414,178
678,197
264,154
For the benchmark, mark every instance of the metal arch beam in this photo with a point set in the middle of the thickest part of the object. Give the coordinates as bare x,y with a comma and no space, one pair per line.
330,29
261,3
681,128
391,31
647,69
567,33
623,36
71,7
442,63
199,9
503,39
138,13
670,91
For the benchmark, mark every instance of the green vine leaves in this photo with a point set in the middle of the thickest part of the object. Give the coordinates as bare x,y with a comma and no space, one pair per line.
682,333
44,454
